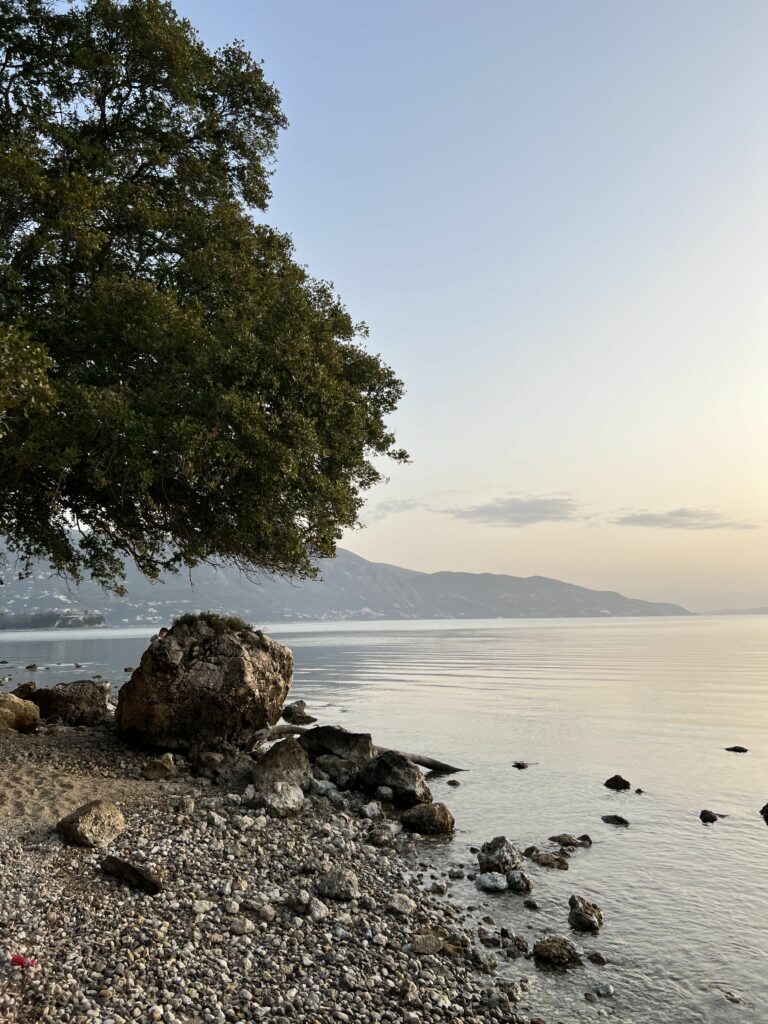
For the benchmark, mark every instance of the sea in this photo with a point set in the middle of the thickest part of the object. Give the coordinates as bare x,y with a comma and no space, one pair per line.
656,700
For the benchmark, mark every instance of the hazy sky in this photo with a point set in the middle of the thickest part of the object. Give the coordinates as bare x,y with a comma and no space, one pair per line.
554,218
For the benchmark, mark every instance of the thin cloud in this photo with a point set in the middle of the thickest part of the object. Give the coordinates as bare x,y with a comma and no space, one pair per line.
683,519
519,512
390,508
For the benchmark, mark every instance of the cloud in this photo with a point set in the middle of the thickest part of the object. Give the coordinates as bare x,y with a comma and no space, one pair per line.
521,511
383,509
683,519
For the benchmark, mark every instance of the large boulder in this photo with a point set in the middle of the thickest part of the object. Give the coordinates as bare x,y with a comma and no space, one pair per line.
97,823
428,820
332,739
81,702
340,770
583,915
499,855
397,773
17,715
287,761
281,800
208,680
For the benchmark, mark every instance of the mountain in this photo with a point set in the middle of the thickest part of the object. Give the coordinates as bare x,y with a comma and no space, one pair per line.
351,588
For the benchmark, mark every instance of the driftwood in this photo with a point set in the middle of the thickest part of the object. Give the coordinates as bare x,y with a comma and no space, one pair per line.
430,763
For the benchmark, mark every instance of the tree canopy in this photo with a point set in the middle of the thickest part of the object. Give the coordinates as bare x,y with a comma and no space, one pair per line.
174,386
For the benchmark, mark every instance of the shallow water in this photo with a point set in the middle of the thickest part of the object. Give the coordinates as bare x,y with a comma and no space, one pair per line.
686,906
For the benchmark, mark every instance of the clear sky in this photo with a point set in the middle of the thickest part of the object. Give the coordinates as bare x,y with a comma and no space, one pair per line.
554,218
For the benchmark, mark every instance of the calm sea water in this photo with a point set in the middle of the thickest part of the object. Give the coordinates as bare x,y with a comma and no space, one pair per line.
657,700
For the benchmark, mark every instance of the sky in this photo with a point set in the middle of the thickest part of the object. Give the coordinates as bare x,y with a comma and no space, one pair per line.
553,217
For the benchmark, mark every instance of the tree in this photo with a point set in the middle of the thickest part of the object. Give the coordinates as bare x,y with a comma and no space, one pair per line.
192,393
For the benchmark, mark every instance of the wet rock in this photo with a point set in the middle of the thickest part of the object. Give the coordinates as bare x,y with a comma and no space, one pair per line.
453,782
617,783
331,739
531,904
499,855
97,823
391,769
296,714
428,820
569,842
135,876
383,833
281,800
597,958
492,881
584,916
709,817
339,884
205,680
737,750
764,812
286,761
519,881
32,667
604,991
18,715
520,765
556,951
615,819
545,859
160,768
340,770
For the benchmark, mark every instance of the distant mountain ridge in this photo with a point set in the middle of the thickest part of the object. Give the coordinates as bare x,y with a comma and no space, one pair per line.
351,588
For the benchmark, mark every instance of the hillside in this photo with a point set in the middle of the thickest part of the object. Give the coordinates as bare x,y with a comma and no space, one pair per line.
351,588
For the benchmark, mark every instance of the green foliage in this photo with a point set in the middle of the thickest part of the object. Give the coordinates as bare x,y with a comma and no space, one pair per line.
218,623
186,391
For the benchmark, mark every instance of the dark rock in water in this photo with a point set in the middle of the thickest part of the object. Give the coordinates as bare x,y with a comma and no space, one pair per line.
764,812
597,958
569,842
31,667
617,783
340,770
639,792
129,668
453,782
737,750
709,817
286,761
81,702
135,876
391,769
549,860
208,680
585,839
556,951
519,881
584,916
331,739
520,765
296,713
615,819
428,820
531,904
499,855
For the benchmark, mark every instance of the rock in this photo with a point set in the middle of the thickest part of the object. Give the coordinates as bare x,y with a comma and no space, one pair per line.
25,691
135,876
339,884
519,881
97,823
383,833
385,794
499,855
520,765
597,958
81,702
286,761
548,860
737,750
282,800
401,905
584,916
491,881
709,817
556,951
453,782
242,926
439,887
296,714
206,680
428,820
32,667
317,910
615,819
17,715
427,944
569,842
372,811
764,812
617,783
604,991
160,768
340,770
331,739
398,773
531,904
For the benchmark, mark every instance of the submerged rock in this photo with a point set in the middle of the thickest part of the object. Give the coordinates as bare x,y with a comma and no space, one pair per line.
570,842
97,823
499,855
492,881
617,783
737,750
709,817
583,915
615,819
545,859
556,951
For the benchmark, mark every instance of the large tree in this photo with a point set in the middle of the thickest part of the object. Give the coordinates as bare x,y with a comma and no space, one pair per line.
175,387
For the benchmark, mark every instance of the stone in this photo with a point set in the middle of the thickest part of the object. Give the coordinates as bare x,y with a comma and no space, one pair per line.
520,765
617,783
81,702
97,823
242,926
331,739
296,714
583,915
492,881
428,820
339,884
545,859
372,811
569,842
519,881
282,800
556,951
597,958
205,681
427,944
160,768
709,817
340,770
17,715
737,750
383,833
26,691
615,819
764,812
392,769
499,855
317,910
401,905
286,761
604,991
134,875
